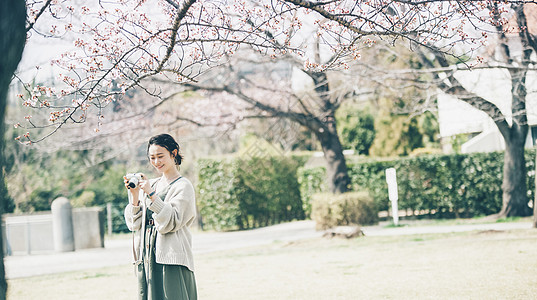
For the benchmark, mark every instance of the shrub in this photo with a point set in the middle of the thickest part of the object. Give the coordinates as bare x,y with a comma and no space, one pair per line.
218,207
457,185
39,200
329,210
85,199
248,193
311,181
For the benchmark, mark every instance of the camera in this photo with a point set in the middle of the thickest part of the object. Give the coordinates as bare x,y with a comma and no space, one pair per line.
133,179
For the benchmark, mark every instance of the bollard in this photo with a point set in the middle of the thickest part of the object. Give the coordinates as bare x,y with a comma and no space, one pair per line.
62,225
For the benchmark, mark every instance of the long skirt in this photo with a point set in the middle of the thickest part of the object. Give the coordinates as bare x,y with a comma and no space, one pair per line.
163,282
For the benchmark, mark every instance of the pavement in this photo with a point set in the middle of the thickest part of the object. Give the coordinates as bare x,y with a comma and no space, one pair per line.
118,252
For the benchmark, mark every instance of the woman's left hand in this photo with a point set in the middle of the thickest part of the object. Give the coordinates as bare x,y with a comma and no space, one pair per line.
144,185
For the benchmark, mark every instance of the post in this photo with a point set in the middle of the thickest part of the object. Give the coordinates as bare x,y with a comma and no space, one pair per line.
535,193
391,179
109,217
62,225
28,238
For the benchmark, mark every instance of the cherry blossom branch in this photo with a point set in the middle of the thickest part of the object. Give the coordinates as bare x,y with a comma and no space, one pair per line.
41,11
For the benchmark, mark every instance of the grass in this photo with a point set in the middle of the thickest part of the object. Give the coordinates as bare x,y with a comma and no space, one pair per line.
449,222
470,265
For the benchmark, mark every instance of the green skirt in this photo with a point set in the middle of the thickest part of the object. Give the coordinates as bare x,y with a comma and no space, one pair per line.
163,282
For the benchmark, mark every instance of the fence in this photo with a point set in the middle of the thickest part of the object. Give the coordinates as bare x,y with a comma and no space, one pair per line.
27,234
33,234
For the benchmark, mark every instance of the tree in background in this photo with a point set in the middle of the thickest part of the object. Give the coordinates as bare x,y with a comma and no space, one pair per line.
12,37
512,28
401,134
516,46
356,128
266,91
118,46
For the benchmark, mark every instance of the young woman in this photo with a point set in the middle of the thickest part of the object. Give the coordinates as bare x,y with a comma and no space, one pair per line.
160,212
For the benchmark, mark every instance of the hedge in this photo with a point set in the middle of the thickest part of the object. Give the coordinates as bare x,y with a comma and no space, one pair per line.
352,208
459,185
241,194
248,193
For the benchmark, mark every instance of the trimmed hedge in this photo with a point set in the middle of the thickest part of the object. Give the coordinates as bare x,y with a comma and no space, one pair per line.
459,185
311,181
330,210
242,194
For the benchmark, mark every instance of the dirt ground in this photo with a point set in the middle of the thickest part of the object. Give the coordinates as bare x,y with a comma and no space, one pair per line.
470,265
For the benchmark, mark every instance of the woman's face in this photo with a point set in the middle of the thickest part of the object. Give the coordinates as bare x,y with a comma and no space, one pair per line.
161,158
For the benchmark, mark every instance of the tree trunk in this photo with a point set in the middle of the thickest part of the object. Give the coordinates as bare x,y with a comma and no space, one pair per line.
338,177
12,39
515,198
326,132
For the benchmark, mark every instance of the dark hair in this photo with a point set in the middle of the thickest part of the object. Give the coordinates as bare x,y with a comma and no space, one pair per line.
168,142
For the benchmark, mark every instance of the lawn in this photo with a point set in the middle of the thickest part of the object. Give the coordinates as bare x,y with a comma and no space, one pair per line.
470,265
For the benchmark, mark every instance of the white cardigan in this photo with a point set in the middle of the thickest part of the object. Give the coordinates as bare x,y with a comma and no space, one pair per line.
173,216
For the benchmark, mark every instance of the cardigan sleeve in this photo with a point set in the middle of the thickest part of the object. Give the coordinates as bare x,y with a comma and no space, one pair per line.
133,217
177,210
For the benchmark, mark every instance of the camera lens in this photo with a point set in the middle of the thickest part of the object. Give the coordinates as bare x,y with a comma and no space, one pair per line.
133,182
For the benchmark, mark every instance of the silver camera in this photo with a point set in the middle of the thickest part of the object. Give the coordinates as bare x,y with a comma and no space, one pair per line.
133,179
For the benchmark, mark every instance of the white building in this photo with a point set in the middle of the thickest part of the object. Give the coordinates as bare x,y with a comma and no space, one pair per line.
458,117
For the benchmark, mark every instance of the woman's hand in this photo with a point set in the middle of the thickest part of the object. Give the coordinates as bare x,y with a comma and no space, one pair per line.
134,191
144,185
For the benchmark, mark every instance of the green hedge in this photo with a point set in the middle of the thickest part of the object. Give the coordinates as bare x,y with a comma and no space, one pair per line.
311,181
241,194
459,185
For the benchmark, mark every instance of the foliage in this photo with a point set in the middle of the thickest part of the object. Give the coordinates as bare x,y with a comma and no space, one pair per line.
356,129
85,199
430,129
247,193
109,188
35,178
329,210
311,181
8,204
219,210
41,177
401,134
458,185
39,200
209,32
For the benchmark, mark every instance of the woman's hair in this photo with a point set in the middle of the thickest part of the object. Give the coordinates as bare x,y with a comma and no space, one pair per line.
168,142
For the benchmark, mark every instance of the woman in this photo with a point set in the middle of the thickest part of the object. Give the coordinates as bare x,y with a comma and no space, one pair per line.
160,212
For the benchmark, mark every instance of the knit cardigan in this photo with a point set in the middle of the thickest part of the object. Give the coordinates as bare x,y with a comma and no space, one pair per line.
173,216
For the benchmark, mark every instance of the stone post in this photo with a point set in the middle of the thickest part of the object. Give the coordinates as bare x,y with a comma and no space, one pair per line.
62,225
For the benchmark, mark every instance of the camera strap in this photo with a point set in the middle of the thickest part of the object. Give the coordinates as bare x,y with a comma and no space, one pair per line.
139,260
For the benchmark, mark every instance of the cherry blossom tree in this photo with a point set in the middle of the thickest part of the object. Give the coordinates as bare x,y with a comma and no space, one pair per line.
266,91
117,46
12,36
516,38
509,48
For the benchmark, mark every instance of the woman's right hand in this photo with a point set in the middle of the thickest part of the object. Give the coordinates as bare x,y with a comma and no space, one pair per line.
134,191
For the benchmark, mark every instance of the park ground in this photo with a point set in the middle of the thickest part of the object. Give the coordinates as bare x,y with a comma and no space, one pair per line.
476,264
